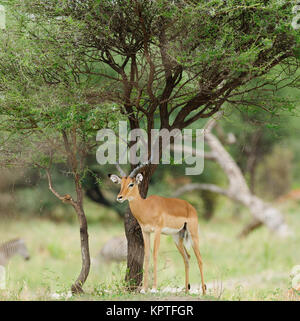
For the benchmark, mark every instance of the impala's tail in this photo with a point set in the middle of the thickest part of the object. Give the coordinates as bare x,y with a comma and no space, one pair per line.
186,236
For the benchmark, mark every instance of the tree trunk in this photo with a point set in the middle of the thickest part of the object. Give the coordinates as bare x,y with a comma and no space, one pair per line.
135,241
253,158
209,205
135,252
252,172
84,237
85,253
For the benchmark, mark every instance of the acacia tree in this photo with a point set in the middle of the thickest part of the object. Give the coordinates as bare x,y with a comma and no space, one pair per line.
30,137
166,63
42,124
36,133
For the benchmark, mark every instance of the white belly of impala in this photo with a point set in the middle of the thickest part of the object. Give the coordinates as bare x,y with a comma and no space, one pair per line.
170,231
148,229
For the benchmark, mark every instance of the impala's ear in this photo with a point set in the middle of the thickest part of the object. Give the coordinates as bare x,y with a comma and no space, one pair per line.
114,178
139,178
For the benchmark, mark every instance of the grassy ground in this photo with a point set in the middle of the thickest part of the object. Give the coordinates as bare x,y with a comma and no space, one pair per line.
256,268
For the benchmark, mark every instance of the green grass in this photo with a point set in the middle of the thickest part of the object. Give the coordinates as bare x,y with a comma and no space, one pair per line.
255,268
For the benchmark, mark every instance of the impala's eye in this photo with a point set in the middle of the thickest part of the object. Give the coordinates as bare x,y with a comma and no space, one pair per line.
131,185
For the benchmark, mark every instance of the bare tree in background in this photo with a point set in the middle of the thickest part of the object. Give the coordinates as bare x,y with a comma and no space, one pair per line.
238,190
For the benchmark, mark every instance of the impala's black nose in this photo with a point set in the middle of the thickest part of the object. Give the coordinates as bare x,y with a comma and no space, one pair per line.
119,198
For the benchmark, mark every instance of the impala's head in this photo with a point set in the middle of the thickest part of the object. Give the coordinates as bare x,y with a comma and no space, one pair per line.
129,186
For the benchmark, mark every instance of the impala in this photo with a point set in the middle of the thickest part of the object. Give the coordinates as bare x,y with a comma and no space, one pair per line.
160,215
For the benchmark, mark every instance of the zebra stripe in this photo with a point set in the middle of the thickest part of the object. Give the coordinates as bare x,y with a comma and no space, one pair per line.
11,248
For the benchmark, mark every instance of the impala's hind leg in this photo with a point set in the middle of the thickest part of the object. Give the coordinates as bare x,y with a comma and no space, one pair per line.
186,252
193,229
199,259
179,244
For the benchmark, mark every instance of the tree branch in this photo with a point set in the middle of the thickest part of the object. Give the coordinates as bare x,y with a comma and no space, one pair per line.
208,187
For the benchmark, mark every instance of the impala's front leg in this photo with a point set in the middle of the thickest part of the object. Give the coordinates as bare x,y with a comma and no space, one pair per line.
146,237
155,253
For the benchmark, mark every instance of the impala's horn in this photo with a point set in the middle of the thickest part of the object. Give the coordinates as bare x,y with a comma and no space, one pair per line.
122,173
138,168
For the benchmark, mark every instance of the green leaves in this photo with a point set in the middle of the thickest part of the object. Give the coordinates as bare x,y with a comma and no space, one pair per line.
68,65
296,52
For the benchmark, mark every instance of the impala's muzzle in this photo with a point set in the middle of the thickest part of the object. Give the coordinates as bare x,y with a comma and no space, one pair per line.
120,199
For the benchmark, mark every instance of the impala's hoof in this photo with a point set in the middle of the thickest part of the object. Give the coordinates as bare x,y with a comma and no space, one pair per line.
189,286
153,290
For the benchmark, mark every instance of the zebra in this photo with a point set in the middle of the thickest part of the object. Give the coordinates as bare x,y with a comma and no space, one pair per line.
114,250
11,248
